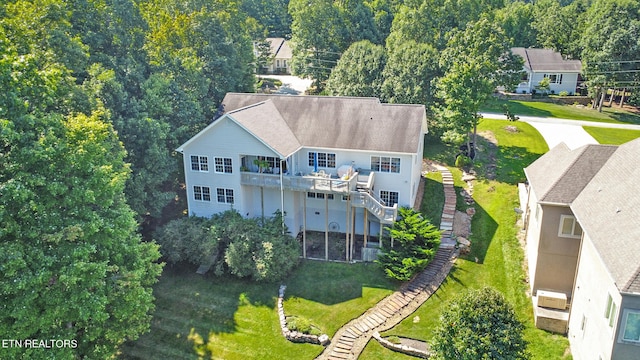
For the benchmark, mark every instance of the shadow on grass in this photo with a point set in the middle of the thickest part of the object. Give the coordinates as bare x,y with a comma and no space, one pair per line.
333,283
516,107
629,118
483,229
433,201
510,162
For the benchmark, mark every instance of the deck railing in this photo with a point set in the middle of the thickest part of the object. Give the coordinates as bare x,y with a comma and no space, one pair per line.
386,214
300,183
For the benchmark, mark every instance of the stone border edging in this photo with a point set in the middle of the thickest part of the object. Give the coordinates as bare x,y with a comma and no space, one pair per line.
296,336
401,348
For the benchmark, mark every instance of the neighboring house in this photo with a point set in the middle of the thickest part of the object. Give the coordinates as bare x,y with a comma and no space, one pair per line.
545,63
583,247
339,164
280,57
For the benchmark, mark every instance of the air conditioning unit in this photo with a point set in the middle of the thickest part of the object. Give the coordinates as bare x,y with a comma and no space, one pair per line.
550,299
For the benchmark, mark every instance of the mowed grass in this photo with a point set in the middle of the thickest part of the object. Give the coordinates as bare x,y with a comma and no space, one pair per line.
612,136
612,115
496,258
241,315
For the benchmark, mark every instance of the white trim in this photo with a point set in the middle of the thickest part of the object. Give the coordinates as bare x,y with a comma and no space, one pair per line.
202,187
573,227
215,170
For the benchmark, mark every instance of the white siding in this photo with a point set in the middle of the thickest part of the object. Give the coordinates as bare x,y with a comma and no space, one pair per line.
224,139
593,284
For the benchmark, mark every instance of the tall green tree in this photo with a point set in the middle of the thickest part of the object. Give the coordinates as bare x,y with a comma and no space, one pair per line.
559,27
410,73
476,61
611,47
415,242
479,324
516,20
359,71
71,264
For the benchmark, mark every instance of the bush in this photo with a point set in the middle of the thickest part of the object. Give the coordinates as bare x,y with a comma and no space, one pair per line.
479,324
462,161
190,239
416,241
261,249
254,248
563,93
303,325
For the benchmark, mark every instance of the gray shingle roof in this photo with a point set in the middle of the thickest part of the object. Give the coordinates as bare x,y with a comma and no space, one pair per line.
539,60
332,122
608,209
561,174
279,48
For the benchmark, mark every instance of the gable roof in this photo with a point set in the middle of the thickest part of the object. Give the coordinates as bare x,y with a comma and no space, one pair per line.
561,174
280,48
608,210
538,60
329,122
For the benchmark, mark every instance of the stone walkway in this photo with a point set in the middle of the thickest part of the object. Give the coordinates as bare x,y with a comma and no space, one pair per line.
351,339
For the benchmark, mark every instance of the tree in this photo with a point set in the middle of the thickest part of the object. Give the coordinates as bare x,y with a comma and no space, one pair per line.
318,38
415,242
611,46
558,27
476,61
72,265
516,20
359,71
260,249
190,239
409,74
479,324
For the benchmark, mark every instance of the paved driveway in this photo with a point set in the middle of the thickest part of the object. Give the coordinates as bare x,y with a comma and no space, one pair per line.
571,132
292,85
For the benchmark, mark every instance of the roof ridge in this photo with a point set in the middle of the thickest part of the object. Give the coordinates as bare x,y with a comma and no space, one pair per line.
580,152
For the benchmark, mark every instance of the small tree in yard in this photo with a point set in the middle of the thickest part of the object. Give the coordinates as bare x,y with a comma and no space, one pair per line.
479,324
416,241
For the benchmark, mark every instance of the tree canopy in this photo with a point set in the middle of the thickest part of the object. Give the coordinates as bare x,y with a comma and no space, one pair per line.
479,324
72,266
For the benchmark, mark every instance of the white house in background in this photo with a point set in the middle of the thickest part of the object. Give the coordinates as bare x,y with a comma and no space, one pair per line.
583,247
339,164
280,59
545,63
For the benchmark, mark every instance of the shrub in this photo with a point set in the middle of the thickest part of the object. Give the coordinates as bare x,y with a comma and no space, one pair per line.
479,324
303,325
260,249
416,241
462,161
190,239
563,93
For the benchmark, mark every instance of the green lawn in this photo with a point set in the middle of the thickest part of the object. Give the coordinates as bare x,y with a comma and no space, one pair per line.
241,315
496,258
536,108
612,136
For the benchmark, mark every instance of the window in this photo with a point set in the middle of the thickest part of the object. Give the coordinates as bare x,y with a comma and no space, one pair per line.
326,160
385,164
225,196
554,78
569,227
346,197
631,326
202,193
525,77
389,197
277,63
199,163
223,165
313,195
610,311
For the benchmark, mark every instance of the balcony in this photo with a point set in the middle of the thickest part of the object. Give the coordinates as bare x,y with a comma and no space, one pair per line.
312,182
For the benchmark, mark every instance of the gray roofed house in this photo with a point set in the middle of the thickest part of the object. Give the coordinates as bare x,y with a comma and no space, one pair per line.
583,247
343,164
281,56
563,74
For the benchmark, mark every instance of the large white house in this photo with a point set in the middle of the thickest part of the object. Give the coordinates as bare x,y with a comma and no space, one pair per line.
583,245
333,164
